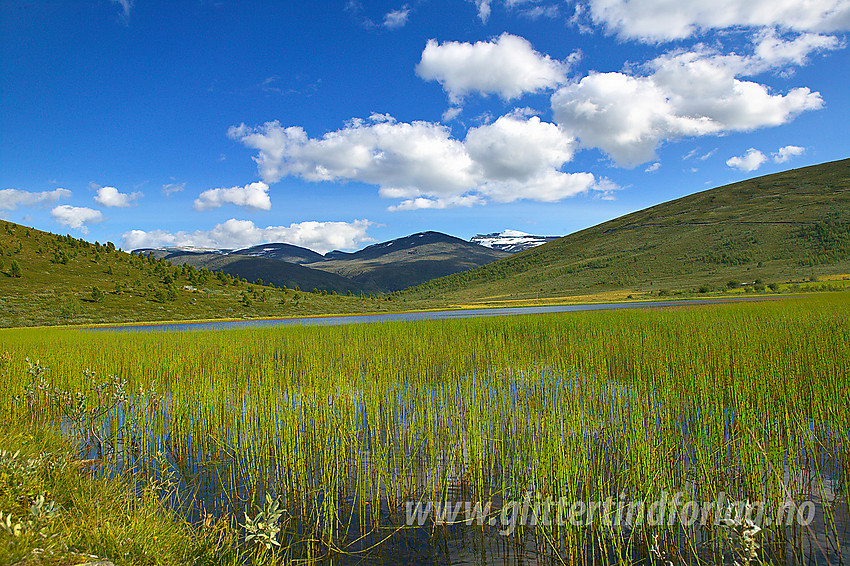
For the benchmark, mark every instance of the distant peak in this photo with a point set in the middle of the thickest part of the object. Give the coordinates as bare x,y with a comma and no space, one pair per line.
513,233
510,241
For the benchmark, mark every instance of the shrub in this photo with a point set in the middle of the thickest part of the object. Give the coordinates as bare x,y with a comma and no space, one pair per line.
15,269
96,294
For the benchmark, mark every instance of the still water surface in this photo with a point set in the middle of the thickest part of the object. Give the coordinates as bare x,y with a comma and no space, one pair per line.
411,316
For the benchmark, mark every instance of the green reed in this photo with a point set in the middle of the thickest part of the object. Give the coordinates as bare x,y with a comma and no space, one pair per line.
344,424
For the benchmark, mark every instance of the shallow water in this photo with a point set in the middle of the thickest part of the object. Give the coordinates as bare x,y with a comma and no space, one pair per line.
412,316
224,474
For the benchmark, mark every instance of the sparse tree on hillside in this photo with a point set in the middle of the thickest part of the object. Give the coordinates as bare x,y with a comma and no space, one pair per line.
15,269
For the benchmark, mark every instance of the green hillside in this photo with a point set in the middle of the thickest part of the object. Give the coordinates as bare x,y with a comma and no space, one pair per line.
50,279
789,226
275,271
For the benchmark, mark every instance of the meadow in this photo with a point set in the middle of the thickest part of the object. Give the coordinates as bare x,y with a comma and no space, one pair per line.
309,443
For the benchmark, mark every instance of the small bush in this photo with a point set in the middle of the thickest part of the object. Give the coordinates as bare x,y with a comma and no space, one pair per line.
97,294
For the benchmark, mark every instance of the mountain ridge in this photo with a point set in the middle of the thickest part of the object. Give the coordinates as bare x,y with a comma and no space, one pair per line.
382,267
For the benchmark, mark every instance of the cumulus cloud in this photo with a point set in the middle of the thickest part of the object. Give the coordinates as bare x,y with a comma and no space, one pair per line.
507,66
110,196
516,149
11,199
514,157
380,151
750,161
772,50
318,236
397,18
683,94
547,186
786,153
665,20
76,217
254,196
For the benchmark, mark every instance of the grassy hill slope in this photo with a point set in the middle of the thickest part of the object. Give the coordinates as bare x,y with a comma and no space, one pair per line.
275,271
50,279
780,227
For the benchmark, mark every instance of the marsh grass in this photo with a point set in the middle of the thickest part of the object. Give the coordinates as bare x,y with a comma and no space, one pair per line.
342,425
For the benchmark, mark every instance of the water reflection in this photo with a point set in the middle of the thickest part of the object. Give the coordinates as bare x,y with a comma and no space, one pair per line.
344,470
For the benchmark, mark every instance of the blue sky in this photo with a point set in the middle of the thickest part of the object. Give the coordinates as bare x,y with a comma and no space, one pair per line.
332,125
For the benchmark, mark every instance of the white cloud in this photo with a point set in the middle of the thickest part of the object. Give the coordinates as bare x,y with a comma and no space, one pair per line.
109,196
397,18
750,161
786,153
516,149
11,199
654,167
514,157
76,216
254,196
437,203
774,51
171,188
451,113
664,20
508,66
483,10
415,156
547,186
318,236
684,94
536,12
126,6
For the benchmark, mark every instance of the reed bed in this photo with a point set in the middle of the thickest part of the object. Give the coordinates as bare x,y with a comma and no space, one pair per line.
341,426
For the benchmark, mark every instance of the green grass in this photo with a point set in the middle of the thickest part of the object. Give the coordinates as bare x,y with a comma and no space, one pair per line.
748,399
790,226
83,516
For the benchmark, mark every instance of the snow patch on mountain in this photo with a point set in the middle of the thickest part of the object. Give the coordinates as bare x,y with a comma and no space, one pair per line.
511,241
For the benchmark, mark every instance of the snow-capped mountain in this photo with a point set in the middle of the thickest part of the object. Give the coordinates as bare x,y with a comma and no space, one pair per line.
511,241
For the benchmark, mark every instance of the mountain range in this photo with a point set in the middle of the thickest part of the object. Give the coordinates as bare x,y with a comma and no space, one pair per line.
379,268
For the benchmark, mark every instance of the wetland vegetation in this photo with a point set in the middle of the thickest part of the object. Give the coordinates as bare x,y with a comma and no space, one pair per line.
305,444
